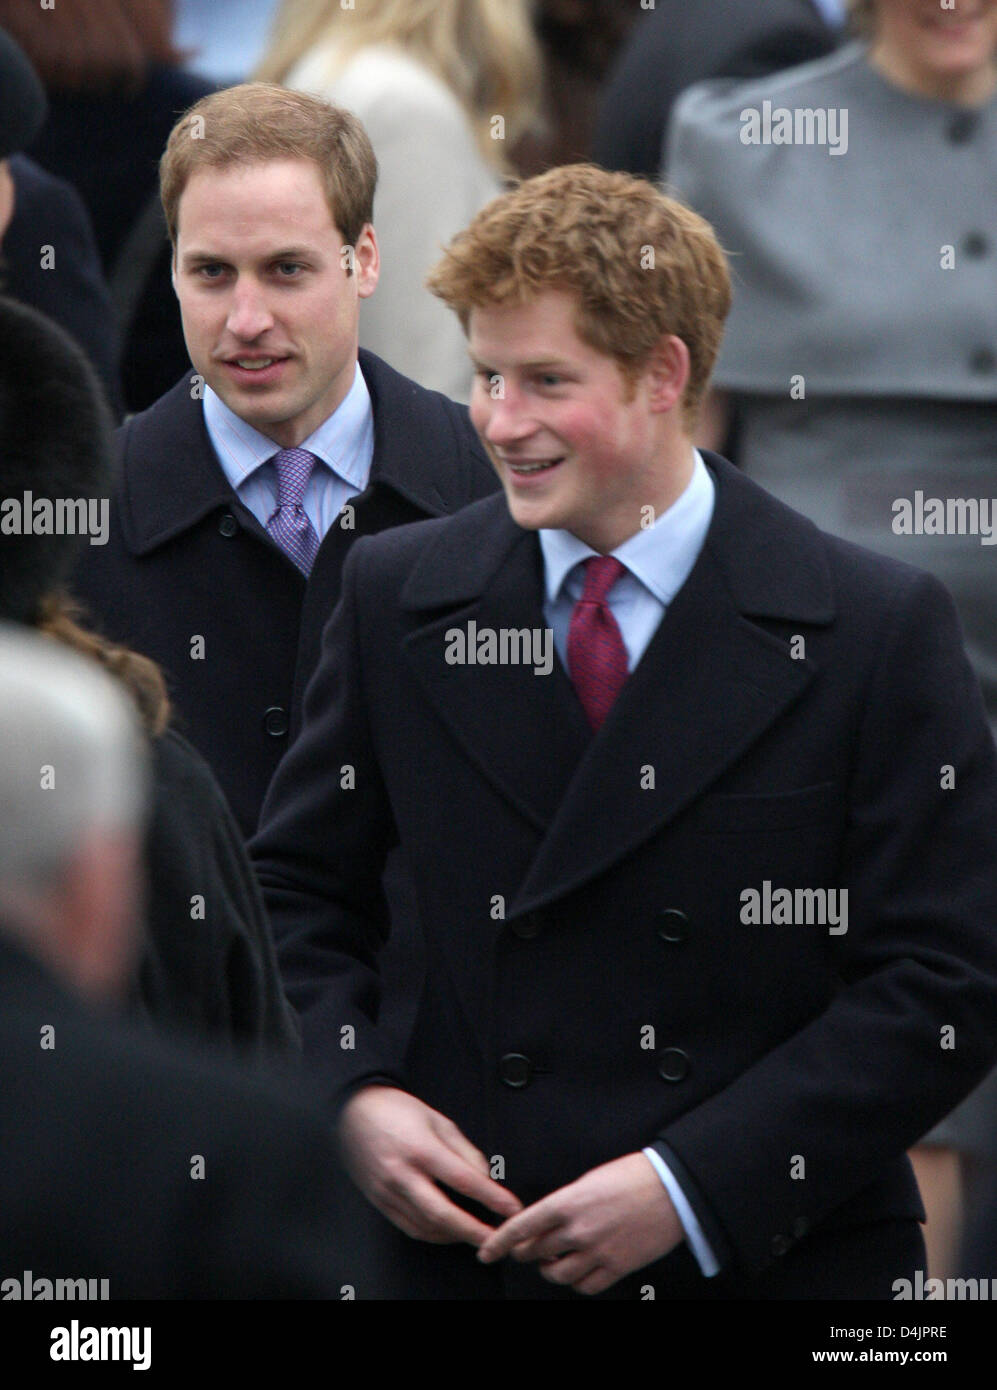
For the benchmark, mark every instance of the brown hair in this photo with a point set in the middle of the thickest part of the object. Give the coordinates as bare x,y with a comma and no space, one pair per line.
259,121
93,45
59,618
641,264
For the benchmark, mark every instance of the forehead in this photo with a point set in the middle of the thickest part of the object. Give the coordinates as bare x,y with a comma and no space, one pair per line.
541,329
259,201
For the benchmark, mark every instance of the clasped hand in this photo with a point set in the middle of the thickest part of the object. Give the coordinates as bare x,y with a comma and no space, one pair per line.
611,1221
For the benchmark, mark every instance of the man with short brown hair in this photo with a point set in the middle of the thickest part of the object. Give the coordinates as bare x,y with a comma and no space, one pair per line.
242,489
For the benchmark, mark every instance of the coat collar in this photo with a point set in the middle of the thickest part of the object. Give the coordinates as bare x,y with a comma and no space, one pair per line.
709,685
170,478
769,555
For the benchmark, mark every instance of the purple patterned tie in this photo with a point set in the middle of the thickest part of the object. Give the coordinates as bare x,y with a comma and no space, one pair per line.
289,526
597,657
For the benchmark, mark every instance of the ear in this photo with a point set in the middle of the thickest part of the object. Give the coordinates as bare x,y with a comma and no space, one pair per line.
367,261
667,374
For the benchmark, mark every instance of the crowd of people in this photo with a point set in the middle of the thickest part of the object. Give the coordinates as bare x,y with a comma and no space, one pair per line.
500,797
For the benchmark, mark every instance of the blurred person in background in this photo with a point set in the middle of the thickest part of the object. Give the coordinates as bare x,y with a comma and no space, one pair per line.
677,45
859,371
579,40
207,966
444,89
163,1174
49,257
111,72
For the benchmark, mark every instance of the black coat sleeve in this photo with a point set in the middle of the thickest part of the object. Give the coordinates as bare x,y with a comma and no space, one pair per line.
209,966
325,833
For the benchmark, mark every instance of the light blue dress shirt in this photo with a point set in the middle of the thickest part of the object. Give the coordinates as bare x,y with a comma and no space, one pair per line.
658,559
344,444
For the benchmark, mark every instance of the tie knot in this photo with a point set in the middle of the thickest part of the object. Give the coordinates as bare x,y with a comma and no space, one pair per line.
294,468
601,573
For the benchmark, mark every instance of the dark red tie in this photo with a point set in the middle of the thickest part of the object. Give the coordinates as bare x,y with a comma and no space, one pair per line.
597,658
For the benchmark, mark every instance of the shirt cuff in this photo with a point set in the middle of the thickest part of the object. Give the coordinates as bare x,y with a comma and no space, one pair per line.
698,1243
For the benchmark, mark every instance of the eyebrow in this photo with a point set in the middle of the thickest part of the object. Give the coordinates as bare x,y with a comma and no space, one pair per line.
287,253
533,365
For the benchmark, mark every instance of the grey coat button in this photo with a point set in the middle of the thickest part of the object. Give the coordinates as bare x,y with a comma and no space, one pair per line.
227,524
526,928
276,722
515,1070
800,1227
673,1064
780,1244
672,925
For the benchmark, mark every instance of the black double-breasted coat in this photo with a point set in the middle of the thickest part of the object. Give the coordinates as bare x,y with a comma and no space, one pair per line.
804,717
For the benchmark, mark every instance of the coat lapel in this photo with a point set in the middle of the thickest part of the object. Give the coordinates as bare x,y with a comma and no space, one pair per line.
525,731
709,685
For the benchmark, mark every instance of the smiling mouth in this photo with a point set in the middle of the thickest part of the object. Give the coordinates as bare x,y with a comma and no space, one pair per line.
253,364
532,466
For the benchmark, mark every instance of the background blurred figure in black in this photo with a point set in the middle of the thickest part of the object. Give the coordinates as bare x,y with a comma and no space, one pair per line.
110,70
678,44
164,1175
49,257
578,39
207,968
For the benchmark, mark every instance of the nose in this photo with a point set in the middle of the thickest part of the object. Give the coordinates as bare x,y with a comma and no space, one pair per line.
504,417
248,315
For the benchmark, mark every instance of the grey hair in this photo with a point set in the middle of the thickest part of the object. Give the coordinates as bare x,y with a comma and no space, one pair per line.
73,759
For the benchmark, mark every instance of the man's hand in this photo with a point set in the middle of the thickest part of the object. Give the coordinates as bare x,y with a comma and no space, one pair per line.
397,1149
613,1220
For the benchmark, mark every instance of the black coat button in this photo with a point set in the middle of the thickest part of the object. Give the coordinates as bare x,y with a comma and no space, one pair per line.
673,1064
526,928
227,524
672,925
780,1244
983,361
800,1227
976,244
276,722
515,1070
962,127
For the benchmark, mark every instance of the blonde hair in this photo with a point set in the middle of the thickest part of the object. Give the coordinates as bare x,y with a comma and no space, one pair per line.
257,121
640,264
484,51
